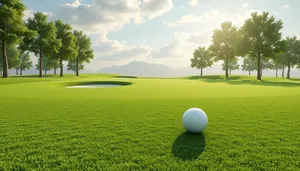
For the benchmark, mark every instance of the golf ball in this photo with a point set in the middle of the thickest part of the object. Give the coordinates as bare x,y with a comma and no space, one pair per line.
194,120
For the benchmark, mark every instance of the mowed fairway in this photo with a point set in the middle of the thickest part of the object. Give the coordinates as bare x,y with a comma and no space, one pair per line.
252,125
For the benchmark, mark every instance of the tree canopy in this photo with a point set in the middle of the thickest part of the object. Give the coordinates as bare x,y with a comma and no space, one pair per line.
11,28
223,43
202,59
85,52
262,34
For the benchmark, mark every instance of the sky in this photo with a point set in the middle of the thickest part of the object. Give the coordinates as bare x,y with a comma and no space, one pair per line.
157,31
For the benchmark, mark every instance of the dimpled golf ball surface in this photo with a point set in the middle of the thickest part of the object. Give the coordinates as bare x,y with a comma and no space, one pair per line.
194,120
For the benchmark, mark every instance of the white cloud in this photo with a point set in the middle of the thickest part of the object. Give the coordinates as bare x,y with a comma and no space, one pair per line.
103,16
193,2
154,8
286,6
245,5
111,50
30,14
182,46
212,15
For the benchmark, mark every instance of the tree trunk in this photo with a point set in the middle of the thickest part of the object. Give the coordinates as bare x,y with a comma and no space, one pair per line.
17,71
201,71
283,71
226,72
77,66
289,71
5,62
249,72
258,67
41,64
61,67
21,72
276,72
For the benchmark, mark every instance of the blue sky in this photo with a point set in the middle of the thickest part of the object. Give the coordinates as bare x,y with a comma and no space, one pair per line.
158,31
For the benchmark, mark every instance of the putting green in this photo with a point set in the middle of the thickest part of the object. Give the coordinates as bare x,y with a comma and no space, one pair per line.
252,125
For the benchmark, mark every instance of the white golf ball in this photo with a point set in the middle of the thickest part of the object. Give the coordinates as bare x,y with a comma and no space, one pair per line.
194,120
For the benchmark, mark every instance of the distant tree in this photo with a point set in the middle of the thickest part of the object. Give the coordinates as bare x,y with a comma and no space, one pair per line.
202,59
68,50
263,37
224,40
12,54
280,61
233,65
85,52
11,28
292,53
72,66
48,64
46,42
25,62
249,64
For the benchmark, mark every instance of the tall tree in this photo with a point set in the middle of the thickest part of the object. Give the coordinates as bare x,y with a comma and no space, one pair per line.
292,53
25,62
224,40
85,52
74,66
263,36
202,59
46,42
249,64
11,28
47,64
68,50
12,54
232,66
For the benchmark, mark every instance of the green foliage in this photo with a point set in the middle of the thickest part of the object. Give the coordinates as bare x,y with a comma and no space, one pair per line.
11,28
48,64
249,64
263,37
68,50
139,127
46,42
72,66
202,59
13,58
233,65
224,41
25,61
85,52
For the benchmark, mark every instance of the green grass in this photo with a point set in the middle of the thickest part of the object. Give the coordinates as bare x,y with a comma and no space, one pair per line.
252,125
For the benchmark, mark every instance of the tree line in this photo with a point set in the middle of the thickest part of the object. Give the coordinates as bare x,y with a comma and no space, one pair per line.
259,42
53,42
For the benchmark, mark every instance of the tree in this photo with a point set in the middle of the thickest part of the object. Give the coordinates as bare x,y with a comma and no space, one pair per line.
292,53
48,63
68,50
85,52
280,61
263,36
233,65
12,54
25,62
202,59
11,28
249,64
72,66
45,43
224,40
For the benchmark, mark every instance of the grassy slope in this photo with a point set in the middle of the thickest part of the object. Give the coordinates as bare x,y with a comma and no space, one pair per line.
252,125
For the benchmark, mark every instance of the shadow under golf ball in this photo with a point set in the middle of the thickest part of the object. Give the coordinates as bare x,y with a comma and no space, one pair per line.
188,146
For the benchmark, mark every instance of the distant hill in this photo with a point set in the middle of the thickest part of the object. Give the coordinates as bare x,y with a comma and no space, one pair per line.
137,68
